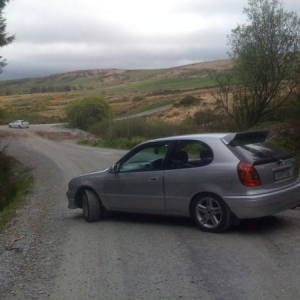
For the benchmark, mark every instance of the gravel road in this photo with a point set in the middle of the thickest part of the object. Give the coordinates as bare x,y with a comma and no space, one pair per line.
127,256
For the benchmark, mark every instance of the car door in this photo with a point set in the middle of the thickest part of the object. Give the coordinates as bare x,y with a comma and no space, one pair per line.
138,185
186,174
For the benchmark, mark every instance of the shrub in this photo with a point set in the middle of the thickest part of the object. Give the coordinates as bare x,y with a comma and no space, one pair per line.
101,129
8,187
210,121
129,127
15,182
83,113
160,128
4,116
137,98
205,117
132,127
188,100
187,126
124,143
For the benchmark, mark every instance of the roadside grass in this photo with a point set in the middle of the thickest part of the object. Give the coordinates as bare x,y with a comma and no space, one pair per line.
22,183
124,143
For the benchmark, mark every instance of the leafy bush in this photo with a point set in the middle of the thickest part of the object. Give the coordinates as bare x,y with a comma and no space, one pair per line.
126,133
187,126
188,100
290,111
160,128
135,127
212,121
124,143
101,129
204,117
15,181
83,113
4,116
8,186
137,98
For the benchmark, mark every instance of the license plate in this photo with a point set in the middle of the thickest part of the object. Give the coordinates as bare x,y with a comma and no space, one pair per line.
283,174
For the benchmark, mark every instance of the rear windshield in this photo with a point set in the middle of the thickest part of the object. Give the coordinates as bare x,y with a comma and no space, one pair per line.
258,151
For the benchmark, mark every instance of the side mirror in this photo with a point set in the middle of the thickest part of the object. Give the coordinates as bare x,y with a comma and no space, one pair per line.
115,168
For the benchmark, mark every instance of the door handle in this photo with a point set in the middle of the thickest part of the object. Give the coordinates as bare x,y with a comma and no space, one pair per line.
154,179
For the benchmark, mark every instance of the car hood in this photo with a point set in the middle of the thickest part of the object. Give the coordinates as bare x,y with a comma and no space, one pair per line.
88,179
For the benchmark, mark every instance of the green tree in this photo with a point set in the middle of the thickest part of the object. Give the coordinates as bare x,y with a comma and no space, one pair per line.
5,39
83,113
265,54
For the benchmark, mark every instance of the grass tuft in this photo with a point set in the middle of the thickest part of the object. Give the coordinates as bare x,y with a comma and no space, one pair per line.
16,182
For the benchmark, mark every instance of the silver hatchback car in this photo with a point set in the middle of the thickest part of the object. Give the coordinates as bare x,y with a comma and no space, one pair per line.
215,178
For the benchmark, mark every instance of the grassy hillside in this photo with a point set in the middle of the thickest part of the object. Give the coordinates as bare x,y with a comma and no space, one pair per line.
118,80
128,91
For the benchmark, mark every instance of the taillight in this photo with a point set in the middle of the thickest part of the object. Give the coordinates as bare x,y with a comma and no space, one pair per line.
248,175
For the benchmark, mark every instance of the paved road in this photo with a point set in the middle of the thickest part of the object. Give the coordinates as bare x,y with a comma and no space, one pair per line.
147,113
129,256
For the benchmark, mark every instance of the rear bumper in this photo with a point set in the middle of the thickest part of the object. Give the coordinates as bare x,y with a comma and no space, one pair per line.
256,206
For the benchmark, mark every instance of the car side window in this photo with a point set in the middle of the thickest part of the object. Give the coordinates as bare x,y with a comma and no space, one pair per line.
189,154
148,158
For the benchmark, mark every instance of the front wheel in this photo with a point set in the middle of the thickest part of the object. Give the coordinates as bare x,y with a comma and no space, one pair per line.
210,213
91,206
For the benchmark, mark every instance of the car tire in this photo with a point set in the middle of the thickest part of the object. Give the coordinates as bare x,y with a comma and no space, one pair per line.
210,213
91,206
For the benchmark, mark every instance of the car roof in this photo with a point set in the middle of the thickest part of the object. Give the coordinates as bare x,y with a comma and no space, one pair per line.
226,137
200,136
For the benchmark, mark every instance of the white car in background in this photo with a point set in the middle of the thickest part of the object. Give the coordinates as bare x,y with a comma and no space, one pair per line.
19,124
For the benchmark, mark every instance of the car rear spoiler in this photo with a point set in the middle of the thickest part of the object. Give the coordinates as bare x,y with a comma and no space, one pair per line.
233,137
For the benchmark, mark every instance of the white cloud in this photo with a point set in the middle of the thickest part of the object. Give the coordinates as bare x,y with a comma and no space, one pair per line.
64,35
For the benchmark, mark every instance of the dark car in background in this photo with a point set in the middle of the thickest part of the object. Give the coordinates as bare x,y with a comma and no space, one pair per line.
215,178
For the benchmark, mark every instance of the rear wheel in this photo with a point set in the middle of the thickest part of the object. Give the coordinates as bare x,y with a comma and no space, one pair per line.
210,213
91,206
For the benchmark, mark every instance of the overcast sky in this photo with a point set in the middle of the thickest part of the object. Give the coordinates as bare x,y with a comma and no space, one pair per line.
55,36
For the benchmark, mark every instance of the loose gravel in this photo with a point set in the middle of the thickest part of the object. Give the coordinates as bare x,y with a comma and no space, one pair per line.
43,231
128,256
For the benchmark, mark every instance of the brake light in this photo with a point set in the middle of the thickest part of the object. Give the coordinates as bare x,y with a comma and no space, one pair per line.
248,175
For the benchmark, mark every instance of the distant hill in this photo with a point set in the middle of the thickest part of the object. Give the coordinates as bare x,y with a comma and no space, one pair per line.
129,92
117,80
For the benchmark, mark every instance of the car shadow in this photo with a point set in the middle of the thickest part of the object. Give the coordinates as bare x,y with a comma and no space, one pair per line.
261,225
248,226
157,220
138,218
